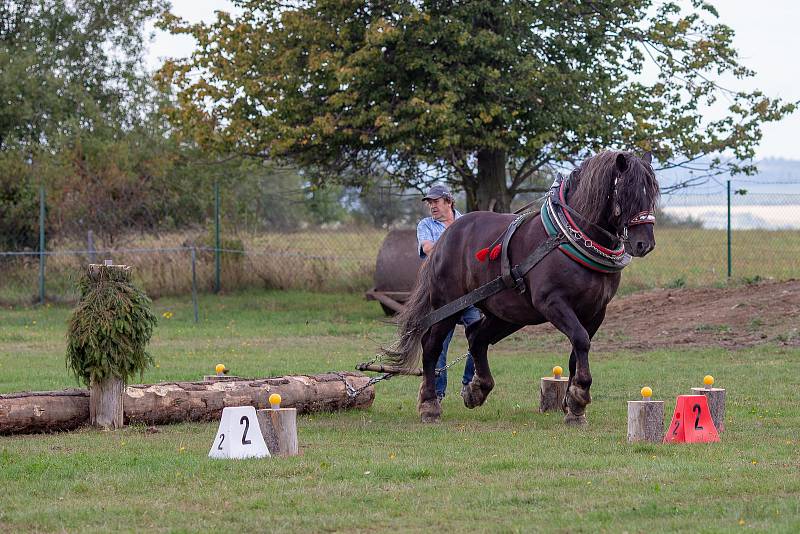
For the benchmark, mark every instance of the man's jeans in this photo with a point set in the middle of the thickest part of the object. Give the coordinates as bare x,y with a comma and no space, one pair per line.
468,316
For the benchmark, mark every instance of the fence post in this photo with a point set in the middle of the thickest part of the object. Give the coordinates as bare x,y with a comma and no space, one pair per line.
194,284
217,266
729,229
90,247
41,245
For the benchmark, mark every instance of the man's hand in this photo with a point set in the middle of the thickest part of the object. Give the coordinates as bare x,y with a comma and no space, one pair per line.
427,247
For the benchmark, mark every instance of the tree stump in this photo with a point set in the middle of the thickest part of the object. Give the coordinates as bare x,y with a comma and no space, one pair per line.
105,403
646,421
279,428
716,405
552,391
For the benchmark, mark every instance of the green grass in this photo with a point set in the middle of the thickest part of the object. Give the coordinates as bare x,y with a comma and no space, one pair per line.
697,257
501,467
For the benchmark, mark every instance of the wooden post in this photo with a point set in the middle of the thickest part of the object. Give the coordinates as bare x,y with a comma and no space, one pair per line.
105,403
552,391
646,421
716,405
279,428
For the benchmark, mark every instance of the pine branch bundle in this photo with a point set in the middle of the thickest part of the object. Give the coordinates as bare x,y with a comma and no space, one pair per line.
110,327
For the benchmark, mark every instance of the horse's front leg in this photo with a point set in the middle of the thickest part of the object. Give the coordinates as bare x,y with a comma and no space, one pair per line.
480,335
428,405
580,377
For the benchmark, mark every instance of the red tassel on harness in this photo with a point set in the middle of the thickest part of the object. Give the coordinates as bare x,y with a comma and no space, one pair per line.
482,254
495,252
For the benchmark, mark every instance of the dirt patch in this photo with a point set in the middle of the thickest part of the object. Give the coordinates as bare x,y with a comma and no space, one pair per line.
738,316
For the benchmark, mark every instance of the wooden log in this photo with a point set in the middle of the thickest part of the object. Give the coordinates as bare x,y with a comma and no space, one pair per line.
386,300
716,405
105,403
645,421
175,402
552,391
279,428
43,411
220,378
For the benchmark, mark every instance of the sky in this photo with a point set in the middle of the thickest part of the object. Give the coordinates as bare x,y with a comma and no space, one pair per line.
767,38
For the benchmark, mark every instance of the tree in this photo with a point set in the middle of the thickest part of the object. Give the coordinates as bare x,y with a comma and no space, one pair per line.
71,75
481,93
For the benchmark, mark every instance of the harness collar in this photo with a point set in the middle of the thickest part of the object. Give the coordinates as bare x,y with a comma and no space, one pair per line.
580,248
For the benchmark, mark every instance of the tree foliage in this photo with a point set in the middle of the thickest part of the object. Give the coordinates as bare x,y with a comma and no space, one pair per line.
110,328
483,94
70,64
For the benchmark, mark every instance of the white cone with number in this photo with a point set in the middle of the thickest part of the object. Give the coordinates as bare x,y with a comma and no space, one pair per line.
239,435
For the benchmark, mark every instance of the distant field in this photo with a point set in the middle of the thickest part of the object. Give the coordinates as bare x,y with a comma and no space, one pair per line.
344,260
502,467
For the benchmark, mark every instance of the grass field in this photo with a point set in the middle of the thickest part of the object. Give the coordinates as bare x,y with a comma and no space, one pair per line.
501,467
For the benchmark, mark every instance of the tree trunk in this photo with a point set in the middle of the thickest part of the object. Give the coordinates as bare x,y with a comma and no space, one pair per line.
279,428
716,405
645,421
105,403
490,193
552,391
176,402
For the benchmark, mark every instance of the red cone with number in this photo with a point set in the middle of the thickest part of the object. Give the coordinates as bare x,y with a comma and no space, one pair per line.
691,422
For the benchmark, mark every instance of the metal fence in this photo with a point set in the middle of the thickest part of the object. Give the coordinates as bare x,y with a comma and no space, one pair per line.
702,239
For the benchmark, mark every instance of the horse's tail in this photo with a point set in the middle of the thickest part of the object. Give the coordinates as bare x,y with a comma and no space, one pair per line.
405,351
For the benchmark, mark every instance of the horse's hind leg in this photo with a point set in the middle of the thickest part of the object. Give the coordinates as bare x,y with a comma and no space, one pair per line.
428,405
480,335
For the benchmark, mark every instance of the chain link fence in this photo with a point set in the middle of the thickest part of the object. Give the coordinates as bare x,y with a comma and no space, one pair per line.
702,239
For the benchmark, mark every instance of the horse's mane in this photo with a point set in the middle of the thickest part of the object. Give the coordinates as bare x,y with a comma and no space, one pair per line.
593,185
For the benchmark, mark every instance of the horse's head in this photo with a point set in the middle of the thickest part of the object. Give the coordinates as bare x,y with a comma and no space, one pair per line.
633,202
617,193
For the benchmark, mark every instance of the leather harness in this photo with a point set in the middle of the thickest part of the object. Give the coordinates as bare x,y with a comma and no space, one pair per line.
511,277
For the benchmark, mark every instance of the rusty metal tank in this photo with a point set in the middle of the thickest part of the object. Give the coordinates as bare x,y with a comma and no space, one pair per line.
395,270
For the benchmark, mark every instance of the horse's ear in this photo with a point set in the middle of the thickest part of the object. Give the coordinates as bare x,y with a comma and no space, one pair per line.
622,162
648,157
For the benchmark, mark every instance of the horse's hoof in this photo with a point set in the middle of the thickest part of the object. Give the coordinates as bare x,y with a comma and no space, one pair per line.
473,395
575,420
430,411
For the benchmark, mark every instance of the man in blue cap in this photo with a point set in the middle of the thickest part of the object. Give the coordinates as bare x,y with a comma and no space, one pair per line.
429,230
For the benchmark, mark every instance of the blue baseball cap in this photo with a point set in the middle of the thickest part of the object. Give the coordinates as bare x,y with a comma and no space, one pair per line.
438,191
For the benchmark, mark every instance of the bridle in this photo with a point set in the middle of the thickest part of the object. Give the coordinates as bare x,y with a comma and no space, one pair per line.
621,238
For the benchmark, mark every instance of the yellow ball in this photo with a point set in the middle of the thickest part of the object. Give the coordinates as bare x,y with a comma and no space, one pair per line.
220,367
274,399
557,371
647,392
708,380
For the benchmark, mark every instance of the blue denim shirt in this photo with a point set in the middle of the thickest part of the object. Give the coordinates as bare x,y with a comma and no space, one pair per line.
429,229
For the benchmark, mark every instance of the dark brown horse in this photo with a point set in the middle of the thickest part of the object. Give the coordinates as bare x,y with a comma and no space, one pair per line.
610,196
